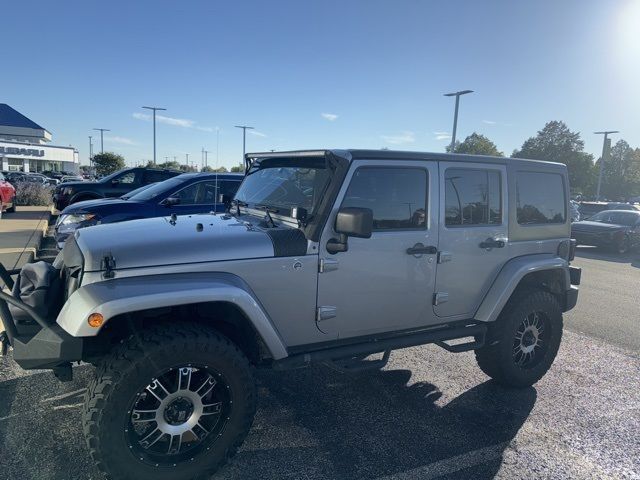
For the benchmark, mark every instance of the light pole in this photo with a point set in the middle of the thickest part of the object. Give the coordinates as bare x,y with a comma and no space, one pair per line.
206,158
90,151
154,129
102,130
244,139
606,142
455,115
187,160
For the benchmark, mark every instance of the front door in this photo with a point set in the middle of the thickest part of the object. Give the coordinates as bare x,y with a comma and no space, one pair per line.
473,235
377,285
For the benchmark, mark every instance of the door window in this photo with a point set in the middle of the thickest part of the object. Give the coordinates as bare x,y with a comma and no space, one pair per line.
187,195
472,197
127,178
153,176
397,196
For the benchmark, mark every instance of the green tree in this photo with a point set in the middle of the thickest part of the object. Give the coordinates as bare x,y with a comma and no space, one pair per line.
556,143
211,169
477,144
238,168
108,162
621,173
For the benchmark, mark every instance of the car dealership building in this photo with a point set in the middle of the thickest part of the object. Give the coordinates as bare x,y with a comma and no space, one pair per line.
24,146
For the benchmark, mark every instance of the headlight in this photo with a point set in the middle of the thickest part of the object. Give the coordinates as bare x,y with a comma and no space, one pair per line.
76,218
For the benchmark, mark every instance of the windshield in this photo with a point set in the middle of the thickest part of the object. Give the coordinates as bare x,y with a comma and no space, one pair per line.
285,184
132,193
617,218
156,189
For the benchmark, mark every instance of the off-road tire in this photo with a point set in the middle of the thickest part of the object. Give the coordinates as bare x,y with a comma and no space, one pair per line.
496,358
131,366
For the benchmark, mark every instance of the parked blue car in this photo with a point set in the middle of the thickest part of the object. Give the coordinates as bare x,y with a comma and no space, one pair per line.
184,194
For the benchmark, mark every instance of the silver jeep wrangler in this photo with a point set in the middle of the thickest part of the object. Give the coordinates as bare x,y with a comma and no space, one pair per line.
323,256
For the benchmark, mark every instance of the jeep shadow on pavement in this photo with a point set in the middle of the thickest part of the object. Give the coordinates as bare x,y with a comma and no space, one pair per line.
323,257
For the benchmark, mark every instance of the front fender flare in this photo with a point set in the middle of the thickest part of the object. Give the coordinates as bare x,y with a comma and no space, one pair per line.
509,278
130,294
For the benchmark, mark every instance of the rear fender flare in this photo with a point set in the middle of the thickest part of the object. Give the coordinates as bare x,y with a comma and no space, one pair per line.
510,277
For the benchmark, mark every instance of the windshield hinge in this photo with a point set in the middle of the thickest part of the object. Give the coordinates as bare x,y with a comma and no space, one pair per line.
108,265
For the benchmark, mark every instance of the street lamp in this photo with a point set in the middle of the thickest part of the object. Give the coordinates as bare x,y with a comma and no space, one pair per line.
605,152
90,151
455,115
154,129
102,130
244,139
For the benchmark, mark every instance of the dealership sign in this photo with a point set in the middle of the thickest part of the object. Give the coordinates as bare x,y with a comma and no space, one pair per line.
31,152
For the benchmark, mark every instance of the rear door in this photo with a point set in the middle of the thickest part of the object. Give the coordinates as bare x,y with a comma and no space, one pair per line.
473,235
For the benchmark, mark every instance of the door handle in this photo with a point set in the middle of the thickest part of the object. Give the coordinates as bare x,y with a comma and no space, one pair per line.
419,249
492,243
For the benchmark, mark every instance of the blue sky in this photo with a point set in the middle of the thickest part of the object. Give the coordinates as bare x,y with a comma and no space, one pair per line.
315,74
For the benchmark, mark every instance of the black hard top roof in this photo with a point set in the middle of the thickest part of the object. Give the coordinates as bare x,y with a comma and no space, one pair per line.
353,154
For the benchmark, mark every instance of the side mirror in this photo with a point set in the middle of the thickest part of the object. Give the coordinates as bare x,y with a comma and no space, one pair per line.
170,201
351,222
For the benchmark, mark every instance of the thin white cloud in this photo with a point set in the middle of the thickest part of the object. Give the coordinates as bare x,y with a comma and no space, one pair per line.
176,122
121,140
442,135
257,133
206,129
329,116
401,139
494,123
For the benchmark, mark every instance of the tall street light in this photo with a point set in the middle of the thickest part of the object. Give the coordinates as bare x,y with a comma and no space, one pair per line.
244,139
455,115
90,151
154,129
606,144
102,130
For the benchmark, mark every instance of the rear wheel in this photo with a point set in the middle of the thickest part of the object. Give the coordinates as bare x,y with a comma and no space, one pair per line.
622,246
175,403
524,341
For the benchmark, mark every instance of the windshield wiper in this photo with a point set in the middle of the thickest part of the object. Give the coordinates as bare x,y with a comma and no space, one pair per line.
269,210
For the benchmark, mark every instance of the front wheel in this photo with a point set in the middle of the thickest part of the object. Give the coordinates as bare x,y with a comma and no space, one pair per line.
524,341
173,403
13,206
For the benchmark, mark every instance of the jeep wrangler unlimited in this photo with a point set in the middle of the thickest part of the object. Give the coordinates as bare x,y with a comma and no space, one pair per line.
323,256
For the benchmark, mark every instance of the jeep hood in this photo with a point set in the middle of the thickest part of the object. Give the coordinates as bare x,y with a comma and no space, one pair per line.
188,239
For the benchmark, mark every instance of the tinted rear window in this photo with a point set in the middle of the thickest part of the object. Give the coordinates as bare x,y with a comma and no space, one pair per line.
541,198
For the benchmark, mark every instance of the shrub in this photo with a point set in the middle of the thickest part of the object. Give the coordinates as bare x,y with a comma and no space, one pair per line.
34,194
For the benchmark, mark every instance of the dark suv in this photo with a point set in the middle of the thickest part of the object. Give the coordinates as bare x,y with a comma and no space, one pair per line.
114,185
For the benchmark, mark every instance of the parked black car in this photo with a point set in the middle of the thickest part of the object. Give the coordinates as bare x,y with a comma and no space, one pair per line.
114,185
618,230
185,194
588,209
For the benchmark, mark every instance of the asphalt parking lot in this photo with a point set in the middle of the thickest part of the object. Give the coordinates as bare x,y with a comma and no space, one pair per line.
428,414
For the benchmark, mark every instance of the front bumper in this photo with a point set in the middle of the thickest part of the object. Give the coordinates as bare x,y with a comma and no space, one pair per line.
42,345
571,295
49,348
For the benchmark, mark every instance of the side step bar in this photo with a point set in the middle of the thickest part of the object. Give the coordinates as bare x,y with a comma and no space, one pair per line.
439,336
